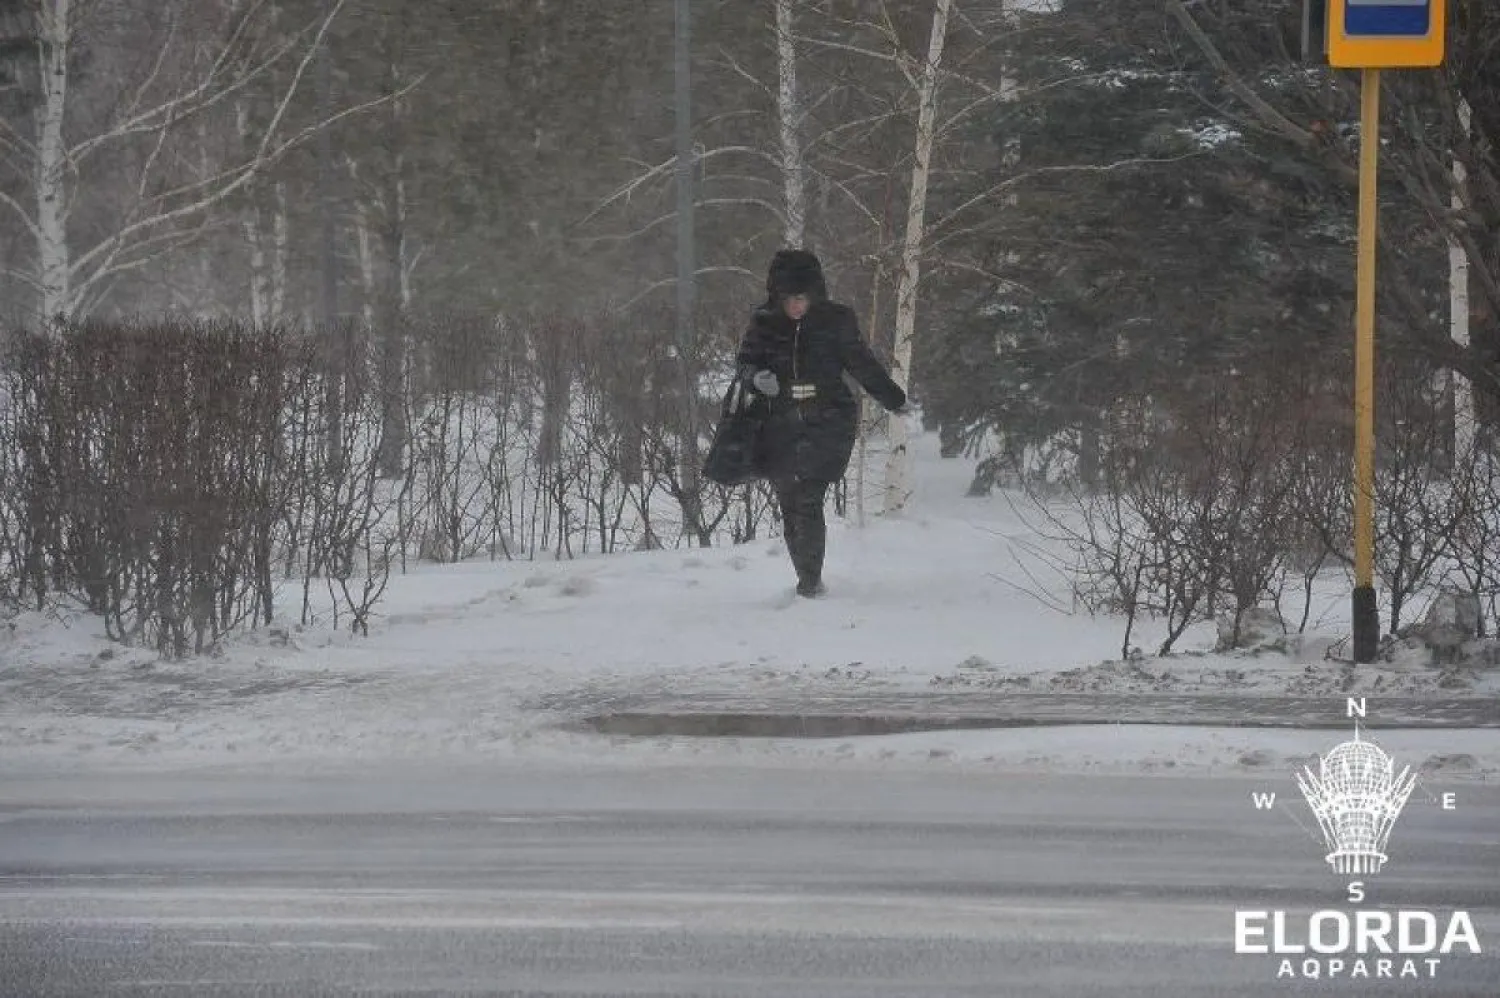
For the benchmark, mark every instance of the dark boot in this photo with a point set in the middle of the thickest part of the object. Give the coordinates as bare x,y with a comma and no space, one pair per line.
787,501
807,566
812,540
810,588
806,532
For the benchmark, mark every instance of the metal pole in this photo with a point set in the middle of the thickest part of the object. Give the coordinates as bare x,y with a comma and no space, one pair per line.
686,261
333,394
686,264
1366,614
330,287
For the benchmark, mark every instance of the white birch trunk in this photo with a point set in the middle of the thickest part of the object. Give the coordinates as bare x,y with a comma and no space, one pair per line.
54,262
404,265
281,246
262,270
72,278
790,113
362,233
390,306
204,294
898,473
268,259
1458,312
260,300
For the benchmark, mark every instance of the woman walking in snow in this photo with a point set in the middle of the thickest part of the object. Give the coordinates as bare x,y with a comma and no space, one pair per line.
795,353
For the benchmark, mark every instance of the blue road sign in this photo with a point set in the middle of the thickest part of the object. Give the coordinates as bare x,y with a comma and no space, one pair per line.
1387,18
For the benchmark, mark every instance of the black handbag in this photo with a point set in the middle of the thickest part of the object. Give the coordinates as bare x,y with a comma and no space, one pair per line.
734,456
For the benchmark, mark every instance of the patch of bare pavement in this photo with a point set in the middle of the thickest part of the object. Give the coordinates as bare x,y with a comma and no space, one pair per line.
143,688
777,714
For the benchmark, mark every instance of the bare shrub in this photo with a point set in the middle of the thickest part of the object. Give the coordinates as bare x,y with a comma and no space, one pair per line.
1191,508
1418,508
1475,542
173,476
163,469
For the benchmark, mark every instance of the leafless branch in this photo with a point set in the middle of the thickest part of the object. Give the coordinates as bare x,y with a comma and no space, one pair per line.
740,71
629,189
890,57
9,136
26,219
228,181
775,211
992,96
95,288
1001,283
1045,171
829,135
671,215
208,93
672,281
23,277
1283,125
854,199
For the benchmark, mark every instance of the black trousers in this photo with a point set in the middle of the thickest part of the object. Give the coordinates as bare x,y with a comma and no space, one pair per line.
801,501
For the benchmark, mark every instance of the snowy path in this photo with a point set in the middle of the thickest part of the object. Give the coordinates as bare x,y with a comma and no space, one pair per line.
691,882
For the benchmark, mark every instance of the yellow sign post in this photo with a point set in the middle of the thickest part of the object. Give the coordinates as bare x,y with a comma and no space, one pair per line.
1372,35
1366,612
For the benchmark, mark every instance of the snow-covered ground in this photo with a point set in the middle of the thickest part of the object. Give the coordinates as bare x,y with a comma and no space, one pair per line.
945,596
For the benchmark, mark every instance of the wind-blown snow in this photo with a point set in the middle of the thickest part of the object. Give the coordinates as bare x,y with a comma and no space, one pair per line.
459,654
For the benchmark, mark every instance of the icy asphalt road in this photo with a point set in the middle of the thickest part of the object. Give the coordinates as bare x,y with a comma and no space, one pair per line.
574,882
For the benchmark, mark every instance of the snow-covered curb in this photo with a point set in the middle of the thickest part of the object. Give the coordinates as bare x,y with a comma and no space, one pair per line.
1447,754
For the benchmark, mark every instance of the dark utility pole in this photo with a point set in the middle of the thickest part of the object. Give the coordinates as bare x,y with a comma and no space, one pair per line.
329,273
329,310
686,269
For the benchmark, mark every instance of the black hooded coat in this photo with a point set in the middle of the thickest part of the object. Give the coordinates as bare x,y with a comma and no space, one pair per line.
810,426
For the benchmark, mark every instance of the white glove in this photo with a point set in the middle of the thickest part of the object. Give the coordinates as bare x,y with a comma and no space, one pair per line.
765,382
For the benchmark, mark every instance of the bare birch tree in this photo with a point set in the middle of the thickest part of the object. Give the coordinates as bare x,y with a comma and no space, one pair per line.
790,116
898,471
382,219
194,70
949,93
1464,421
735,172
